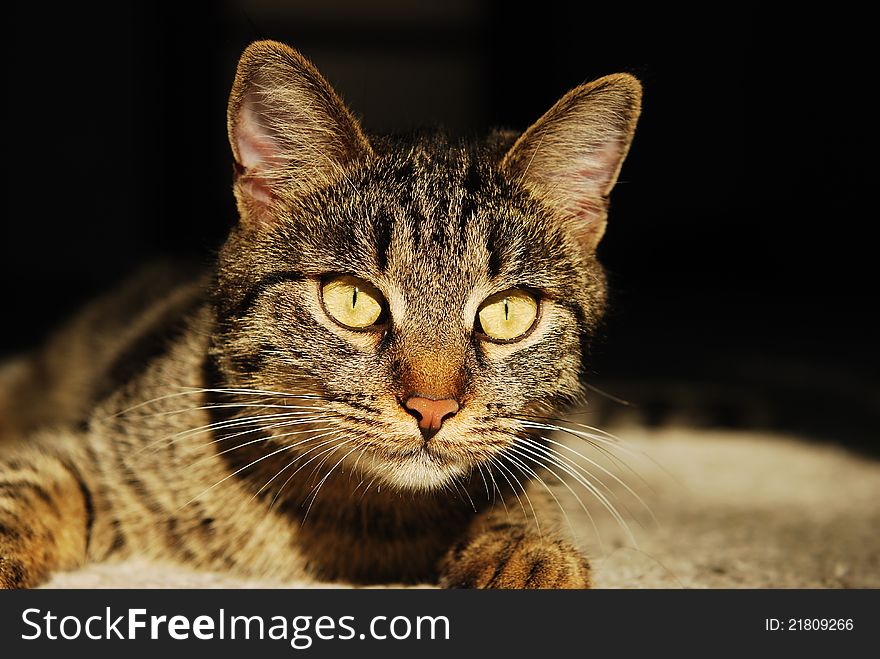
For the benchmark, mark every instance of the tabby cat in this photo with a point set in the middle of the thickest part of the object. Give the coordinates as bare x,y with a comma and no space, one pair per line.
348,394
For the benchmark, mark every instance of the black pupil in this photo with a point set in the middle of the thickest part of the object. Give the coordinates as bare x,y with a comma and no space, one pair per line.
506,310
354,297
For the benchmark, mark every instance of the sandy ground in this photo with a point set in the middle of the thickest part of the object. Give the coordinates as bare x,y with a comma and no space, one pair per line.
731,510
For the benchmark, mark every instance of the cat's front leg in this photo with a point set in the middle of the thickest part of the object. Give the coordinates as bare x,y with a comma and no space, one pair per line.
503,554
45,515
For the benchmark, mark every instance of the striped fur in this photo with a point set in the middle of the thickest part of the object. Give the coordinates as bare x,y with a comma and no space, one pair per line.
224,421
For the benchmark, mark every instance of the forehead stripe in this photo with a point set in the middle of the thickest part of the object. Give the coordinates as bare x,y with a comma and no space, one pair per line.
384,223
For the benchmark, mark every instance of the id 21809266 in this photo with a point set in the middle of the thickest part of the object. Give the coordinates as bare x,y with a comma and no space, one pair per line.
808,624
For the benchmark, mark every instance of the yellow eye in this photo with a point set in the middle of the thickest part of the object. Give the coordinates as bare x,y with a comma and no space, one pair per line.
351,301
508,315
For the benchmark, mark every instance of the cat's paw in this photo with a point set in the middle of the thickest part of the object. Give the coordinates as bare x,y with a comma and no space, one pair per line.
509,557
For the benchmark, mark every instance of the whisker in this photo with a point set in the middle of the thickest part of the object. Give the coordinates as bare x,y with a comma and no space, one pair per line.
289,419
227,424
590,438
610,397
619,481
468,495
236,472
531,473
497,490
271,437
461,488
309,450
485,482
324,480
596,442
594,491
595,435
292,462
300,468
219,406
523,489
191,391
214,455
547,451
368,486
573,493
356,462
318,466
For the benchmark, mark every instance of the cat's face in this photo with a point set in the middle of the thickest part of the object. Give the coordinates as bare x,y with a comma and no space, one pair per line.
431,295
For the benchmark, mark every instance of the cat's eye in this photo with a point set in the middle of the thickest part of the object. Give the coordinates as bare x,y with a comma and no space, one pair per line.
507,315
352,302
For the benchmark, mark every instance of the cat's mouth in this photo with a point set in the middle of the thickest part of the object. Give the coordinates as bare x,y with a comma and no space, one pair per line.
425,465
423,469
430,451
395,451
421,466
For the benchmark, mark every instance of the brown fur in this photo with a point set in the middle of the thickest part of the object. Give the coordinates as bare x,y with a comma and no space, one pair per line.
146,425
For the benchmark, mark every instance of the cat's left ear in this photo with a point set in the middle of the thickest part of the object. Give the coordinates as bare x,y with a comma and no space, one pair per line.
289,131
571,156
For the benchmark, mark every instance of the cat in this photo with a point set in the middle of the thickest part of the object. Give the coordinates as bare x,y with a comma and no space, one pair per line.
352,392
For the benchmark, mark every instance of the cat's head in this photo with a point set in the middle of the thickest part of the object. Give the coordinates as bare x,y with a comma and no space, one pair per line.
431,294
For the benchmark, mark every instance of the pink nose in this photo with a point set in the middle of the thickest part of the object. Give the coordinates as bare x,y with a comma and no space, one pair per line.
431,413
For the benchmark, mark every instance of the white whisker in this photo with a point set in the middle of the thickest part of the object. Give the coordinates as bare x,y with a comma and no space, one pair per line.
597,494
618,480
523,489
312,459
236,472
324,480
531,473
191,391
230,424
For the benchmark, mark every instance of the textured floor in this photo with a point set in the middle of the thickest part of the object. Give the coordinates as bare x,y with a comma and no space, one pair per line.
732,510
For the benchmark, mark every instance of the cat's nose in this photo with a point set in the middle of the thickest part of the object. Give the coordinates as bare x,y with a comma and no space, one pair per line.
431,413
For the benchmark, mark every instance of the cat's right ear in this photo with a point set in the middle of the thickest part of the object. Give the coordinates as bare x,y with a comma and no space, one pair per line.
289,131
572,155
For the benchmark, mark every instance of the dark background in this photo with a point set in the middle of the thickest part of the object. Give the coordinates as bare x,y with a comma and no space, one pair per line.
739,248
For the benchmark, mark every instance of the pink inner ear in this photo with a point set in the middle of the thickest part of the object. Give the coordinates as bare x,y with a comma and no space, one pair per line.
257,188
255,147
590,172
596,170
582,189
257,152
586,209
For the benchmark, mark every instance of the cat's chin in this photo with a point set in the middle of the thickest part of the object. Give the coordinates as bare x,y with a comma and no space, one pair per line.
419,471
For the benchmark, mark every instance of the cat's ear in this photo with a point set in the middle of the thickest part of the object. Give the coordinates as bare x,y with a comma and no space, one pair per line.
289,131
572,155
